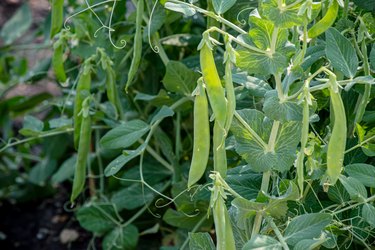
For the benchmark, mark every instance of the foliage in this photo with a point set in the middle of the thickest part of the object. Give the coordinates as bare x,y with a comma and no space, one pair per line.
291,161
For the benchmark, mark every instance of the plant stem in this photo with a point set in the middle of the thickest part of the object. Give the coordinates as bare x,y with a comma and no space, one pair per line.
273,136
278,233
252,132
279,88
368,200
360,144
196,227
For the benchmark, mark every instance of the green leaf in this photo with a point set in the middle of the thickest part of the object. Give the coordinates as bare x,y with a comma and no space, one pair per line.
365,173
355,188
313,54
309,244
124,135
282,17
365,4
128,155
244,181
162,113
65,171
121,238
260,158
222,6
338,193
306,226
32,126
201,241
181,8
341,53
261,63
42,171
182,220
157,21
281,111
262,242
16,26
60,122
368,214
179,78
245,209
255,86
136,195
97,218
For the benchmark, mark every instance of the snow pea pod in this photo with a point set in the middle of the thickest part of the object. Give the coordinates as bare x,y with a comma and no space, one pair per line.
82,91
223,227
213,85
137,52
201,148
220,156
337,142
112,93
326,22
58,62
57,17
83,151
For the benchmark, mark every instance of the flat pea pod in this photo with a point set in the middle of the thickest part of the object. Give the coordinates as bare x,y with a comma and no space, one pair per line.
82,91
58,62
215,91
201,147
83,151
337,142
57,17
219,153
137,52
231,98
112,92
326,22
223,227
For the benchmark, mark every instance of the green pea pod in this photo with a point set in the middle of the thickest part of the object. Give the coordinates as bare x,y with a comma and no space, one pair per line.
213,85
58,62
223,227
201,148
231,107
137,52
220,156
326,22
337,142
112,93
83,151
82,91
57,17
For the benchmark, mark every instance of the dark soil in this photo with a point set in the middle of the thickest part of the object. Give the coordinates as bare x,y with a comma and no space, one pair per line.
38,225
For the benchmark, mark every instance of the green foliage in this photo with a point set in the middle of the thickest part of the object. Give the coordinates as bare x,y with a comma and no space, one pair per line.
273,61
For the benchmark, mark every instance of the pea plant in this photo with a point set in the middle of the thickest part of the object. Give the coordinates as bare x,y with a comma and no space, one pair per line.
218,124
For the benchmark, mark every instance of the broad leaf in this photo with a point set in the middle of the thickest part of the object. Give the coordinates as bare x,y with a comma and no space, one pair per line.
97,218
365,173
181,8
368,214
244,181
17,25
179,78
309,244
65,171
338,193
201,241
341,53
182,220
306,226
124,135
281,16
255,86
281,111
116,165
121,238
221,6
253,152
372,57
355,188
32,126
245,209
162,113
262,242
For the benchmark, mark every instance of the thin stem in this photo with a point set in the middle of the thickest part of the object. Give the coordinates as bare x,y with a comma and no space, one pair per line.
238,41
252,132
212,15
274,40
157,157
279,87
278,233
273,136
196,227
358,145
368,200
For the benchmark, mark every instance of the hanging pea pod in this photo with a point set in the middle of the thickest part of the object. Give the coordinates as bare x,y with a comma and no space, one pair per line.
137,53
213,85
337,142
58,61
112,92
326,22
201,148
83,150
82,91
57,17
229,59
220,156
